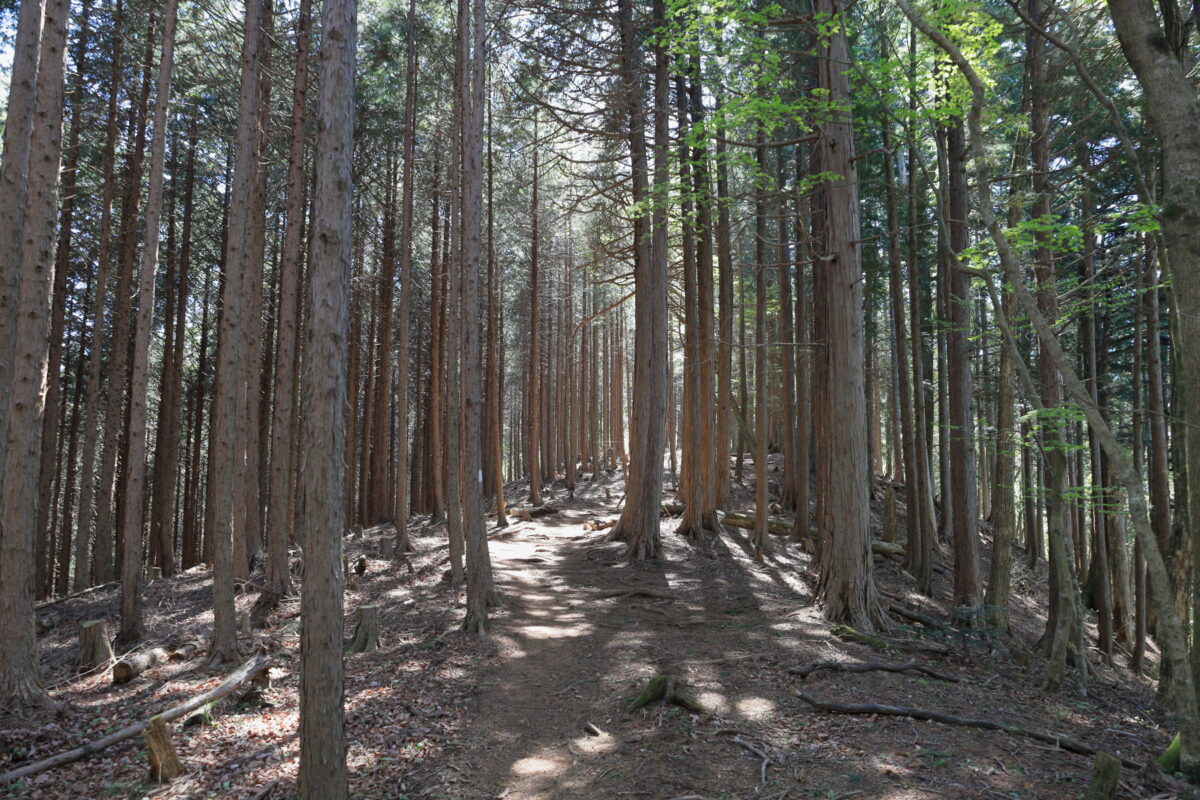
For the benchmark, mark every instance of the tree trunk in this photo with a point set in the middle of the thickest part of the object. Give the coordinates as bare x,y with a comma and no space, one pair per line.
847,585
283,452
225,452
24,393
135,469
533,406
1162,67
55,408
401,511
962,487
480,592
322,724
638,525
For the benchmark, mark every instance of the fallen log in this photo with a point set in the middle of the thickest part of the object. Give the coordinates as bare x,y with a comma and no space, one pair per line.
529,513
849,634
774,524
804,670
917,616
248,671
890,549
1062,742
131,666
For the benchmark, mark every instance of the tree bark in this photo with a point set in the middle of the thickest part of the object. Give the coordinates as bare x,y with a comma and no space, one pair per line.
322,724
847,585
638,525
225,453
135,470
480,592
283,451
24,393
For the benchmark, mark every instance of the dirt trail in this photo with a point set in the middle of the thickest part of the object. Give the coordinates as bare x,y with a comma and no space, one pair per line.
571,654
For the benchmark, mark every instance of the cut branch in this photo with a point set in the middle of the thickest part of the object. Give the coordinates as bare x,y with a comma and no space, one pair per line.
804,670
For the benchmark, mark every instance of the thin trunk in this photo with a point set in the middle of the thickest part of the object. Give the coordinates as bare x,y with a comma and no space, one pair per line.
135,469
401,511
283,453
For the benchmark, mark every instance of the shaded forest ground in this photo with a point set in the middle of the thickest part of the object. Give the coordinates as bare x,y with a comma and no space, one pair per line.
538,709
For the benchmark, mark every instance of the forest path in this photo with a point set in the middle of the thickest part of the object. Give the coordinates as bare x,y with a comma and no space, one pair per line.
575,642
571,654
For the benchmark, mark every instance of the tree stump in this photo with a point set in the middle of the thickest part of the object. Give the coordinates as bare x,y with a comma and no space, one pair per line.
366,630
130,667
94,648
387,547
1106,772
164,763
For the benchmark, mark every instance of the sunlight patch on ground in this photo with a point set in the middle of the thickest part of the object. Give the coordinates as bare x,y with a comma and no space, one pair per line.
560,631
714,702
759,709
539,765
596,745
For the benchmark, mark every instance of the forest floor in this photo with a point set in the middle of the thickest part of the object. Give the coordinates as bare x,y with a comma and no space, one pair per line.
538,709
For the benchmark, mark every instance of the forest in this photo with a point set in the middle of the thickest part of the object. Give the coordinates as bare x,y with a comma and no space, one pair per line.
661,399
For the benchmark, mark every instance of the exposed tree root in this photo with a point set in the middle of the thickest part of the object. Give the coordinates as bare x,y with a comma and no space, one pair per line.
804,670
666,689
1062,742
766,760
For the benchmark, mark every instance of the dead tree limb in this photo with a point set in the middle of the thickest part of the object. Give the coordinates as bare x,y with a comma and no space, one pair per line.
804,670
248,671
1062,742
623,594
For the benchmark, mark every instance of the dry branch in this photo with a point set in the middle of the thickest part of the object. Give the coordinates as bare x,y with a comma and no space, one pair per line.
248,671
804,670
623,594
1063,742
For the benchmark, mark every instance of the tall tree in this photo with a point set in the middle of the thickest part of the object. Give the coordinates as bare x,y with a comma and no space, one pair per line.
479,565
226,452
135,469
847,584
283,451
322,721
638,525
23,390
